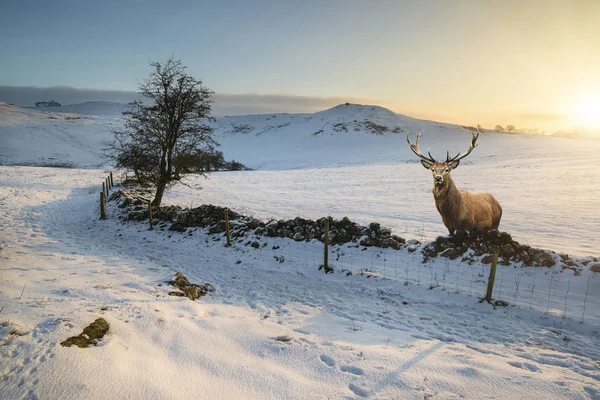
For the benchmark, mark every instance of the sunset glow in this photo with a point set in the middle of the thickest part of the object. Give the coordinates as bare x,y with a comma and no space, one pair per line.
587,112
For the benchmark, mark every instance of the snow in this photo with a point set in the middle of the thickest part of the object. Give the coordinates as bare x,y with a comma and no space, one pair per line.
544,184
352,336
47,137
385,333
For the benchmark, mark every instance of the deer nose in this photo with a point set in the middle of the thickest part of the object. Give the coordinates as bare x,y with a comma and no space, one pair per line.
438,178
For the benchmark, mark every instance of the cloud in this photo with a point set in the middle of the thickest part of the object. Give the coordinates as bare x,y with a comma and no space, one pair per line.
224,103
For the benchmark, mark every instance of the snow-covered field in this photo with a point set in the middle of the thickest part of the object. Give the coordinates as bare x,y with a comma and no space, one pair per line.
351,336
545,185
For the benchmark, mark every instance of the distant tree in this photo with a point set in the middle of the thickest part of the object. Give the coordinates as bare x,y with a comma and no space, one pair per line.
499,128
510,128
234,166
213,160
161,141
50,103
479,127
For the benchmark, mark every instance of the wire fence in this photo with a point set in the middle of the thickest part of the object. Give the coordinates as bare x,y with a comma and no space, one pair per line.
557,292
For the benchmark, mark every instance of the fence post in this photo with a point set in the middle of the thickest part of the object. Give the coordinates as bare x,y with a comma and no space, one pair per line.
150,214
111,180
102,206
490,288
326,253
104,188
227,227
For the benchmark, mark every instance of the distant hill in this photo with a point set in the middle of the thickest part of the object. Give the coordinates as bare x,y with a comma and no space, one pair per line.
98,108
347,134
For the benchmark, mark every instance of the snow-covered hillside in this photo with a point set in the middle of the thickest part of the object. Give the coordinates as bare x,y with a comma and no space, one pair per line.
544,183
348,134
70,136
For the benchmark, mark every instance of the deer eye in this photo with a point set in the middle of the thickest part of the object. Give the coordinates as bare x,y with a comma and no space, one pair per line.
447,170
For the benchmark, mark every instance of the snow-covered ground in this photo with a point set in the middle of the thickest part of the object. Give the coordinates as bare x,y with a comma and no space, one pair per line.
403,330
351,336
545,185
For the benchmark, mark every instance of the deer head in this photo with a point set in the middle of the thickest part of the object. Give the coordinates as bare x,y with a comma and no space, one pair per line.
441,170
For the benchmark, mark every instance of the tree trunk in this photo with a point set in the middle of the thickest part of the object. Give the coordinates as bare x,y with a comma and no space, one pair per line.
160,190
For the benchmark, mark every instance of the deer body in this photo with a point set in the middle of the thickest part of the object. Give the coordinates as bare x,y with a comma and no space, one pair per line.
463,210
460,209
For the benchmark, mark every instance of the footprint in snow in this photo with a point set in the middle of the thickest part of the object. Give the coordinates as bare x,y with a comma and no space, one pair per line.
357,390
330,362
527,366
352,370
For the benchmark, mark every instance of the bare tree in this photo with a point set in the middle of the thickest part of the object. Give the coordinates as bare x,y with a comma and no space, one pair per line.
510,128
499,128
161,140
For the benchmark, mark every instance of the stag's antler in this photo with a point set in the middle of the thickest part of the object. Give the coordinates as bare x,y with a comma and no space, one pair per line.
459,156
417,151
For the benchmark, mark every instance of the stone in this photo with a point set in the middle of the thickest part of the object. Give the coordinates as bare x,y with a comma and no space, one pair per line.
192,291
451,253
368,242
177,227
487,259
594,266
543,259
507,250
90,335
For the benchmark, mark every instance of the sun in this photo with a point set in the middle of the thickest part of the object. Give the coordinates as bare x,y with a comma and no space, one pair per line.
587,112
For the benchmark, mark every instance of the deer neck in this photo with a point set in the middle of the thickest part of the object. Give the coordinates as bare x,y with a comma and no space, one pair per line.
446,192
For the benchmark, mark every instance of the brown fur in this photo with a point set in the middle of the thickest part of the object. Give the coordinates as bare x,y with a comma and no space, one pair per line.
463,210
460,210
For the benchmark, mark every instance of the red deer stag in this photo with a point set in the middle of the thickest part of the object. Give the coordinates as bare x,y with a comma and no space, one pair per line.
460,209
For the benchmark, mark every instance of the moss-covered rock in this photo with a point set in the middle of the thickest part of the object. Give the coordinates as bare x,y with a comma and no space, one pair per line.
192,291
90,335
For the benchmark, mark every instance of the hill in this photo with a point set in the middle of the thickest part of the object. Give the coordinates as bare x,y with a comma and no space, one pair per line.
345,135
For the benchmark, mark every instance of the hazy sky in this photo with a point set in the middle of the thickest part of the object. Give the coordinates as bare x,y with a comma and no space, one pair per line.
530,63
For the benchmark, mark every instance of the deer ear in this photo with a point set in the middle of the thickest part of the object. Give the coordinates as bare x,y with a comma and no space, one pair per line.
426,164
454,164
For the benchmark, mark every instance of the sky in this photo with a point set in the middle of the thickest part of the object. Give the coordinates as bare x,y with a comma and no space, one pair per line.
533,64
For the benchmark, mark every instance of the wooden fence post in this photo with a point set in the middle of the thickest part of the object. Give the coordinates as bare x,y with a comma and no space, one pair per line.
326,253
150,214
227,227
104,188
111,180
490,287
102,206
